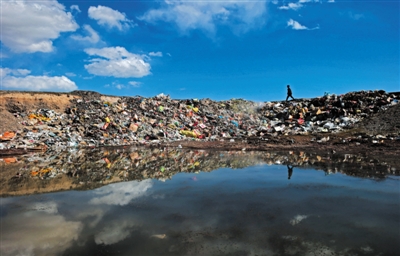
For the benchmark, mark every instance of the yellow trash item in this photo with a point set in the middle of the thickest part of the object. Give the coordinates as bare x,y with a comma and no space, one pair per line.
188,133
41,172
39,117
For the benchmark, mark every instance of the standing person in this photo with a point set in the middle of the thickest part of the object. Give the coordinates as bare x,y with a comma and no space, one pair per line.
289,93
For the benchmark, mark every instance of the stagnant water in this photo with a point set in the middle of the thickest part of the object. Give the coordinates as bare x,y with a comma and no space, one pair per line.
202,203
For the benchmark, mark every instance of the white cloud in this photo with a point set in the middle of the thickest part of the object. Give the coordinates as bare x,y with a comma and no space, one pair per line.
119,86
293,6
297,26
156,54
16,79
240,16
30,26
355,16
75,8
331,1
121,193
40,83
296,6
135,84
70,74
116,85
92,36
106,16
117,62
17,72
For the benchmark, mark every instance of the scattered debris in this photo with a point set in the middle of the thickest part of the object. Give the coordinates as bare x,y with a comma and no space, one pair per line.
92,121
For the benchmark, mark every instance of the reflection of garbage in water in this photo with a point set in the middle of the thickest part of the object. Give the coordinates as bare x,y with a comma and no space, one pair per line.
159,236
88,169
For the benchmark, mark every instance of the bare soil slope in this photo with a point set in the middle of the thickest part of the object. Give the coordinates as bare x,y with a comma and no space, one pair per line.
386,122
13,102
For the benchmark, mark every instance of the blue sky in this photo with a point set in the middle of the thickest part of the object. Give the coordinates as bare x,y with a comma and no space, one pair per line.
201,49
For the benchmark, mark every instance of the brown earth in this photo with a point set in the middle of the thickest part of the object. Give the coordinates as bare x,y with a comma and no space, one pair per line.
12,102
355,140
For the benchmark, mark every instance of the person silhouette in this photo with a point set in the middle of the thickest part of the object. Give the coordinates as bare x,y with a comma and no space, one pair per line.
289,93
290,171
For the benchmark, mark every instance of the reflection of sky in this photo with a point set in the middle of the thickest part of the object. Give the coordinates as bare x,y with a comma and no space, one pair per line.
121,193
114,232
227,211
39,230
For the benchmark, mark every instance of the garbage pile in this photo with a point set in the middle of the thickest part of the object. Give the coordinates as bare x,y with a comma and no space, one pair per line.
92,122
91,168
331,113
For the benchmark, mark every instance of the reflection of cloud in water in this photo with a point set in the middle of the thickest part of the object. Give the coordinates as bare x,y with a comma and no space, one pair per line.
37,232
48,207
114,232
159,196
297,219
121,193
96,214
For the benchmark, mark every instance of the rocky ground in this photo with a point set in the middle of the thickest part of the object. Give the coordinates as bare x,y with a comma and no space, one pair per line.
372,125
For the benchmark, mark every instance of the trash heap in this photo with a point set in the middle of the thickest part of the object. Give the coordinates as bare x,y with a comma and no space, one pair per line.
92,122
91,168
331,113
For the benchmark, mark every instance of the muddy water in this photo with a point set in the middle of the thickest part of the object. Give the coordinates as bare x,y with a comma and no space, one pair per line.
262,208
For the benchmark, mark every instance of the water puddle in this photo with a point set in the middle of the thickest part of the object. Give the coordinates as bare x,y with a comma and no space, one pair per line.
176,202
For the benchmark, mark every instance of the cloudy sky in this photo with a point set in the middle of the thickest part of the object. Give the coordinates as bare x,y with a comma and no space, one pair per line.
201,49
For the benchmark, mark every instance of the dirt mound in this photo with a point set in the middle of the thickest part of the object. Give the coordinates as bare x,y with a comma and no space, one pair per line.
87,95
14,102
384,122
8,121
